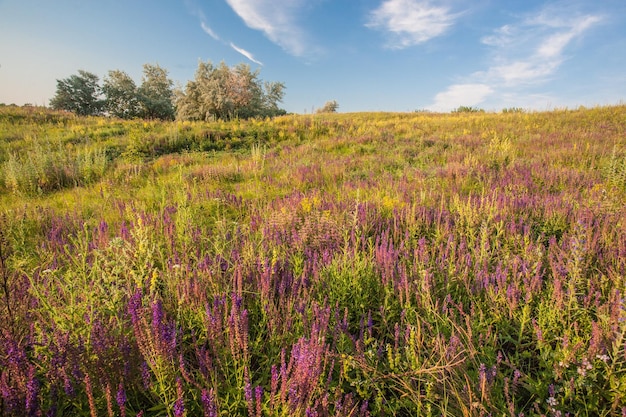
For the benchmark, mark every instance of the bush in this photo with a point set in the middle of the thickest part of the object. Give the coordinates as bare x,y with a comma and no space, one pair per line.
468,109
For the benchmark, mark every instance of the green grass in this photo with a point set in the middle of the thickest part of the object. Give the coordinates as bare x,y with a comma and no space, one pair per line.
335,264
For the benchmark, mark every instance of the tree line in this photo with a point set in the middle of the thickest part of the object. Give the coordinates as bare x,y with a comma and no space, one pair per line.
216,92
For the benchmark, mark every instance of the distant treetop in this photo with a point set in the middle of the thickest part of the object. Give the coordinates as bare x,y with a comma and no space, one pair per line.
217,92
329,107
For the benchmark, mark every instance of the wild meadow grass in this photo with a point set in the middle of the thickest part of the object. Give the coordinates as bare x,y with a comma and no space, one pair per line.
465,264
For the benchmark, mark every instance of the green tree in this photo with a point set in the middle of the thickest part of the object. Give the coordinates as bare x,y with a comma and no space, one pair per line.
121,95
468,109
222,92
272,95
329,107
190,101
216,92
156,94
79,93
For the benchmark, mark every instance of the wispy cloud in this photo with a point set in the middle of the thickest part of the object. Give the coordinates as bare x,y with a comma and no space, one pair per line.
526,53
534,49
461,95
411,22
277,19
209,31
245,53
196,11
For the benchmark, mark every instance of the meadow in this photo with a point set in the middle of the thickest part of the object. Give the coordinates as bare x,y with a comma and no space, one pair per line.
465,264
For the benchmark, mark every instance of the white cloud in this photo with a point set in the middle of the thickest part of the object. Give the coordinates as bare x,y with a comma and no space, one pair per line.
533,50
193,8
411,22
245,53
209,31
521,72
460,95
523,54
277,19
502,36
556,43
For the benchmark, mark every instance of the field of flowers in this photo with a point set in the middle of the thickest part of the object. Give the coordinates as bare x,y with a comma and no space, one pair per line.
465,264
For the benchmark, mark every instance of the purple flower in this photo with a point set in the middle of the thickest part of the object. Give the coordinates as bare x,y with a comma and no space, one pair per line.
179,408
453,346
134,306
179,405
247,390
145,375
258,392
121,399
32,391
208,403
68,387
273,385
363,410
124,233
516,376
157,318
103,227
164,332
98,335
482,373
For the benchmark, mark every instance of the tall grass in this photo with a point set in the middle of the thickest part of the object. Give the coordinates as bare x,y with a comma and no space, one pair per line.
362,264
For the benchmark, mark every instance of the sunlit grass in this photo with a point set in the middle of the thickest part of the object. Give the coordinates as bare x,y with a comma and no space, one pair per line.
336,264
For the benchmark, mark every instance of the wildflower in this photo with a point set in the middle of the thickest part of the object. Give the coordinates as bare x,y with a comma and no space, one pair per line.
453,347
208,403
482,373
145,375
551,401
179,405
68,387
90,397
273,385
32,391
603,358
121,399
134,306
584,367
259,400
107,394
363,411
516,376
247,390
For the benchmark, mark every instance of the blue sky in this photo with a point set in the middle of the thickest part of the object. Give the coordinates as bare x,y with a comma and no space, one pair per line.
391,55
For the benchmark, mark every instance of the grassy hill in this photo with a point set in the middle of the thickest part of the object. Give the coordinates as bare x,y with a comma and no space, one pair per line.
335,264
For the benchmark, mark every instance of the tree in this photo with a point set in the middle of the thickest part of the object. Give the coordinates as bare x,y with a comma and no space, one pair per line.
79,94
195,102
273,94
468,109
221,92
329,107
216,92
121,95
156,94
